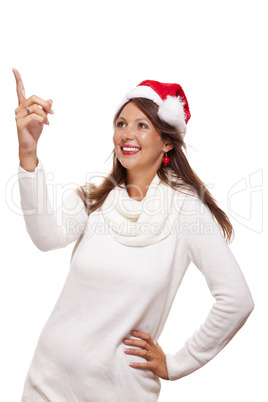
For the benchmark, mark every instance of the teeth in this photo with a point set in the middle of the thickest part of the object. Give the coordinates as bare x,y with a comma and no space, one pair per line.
130,149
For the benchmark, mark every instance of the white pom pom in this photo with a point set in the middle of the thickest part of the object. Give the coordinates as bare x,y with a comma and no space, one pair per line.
172,112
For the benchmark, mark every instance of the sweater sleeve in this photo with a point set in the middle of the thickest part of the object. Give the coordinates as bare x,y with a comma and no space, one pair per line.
48,228
208,250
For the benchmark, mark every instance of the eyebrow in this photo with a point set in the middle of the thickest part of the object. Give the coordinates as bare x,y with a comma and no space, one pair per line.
139,119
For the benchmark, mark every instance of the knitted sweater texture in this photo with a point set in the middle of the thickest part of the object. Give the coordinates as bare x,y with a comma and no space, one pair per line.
126,268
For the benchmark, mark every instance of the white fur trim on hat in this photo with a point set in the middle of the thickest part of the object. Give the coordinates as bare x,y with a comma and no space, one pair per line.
141,91
144,91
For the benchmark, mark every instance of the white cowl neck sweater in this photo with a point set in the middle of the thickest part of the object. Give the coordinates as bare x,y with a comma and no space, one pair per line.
127,265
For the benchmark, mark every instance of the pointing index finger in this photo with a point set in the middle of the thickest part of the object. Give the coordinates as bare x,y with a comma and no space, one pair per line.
20,87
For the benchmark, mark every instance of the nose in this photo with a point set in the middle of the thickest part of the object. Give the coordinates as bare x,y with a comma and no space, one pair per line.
128,134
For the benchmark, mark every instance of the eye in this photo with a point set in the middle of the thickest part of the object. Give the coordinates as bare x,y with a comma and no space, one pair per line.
143,125
120,124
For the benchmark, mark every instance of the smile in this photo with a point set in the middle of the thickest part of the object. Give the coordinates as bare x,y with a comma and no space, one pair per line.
129,151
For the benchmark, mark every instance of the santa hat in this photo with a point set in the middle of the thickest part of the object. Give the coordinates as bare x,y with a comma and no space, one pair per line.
171,99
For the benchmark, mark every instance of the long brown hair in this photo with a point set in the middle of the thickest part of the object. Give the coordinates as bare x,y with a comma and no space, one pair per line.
94,196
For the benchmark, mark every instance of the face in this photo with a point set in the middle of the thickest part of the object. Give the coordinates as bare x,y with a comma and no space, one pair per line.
134,129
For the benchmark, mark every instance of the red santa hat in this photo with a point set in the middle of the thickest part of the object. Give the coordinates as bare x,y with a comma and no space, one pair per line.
171,99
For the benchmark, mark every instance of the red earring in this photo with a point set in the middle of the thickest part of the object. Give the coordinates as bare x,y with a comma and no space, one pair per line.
166,159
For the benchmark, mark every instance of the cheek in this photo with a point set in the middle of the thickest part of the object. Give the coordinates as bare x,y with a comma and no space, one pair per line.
115,138
144,139
148,140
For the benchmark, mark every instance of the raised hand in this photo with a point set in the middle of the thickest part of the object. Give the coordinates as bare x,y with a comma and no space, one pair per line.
31,115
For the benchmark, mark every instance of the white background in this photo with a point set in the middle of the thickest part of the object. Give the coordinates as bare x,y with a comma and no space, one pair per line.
85,55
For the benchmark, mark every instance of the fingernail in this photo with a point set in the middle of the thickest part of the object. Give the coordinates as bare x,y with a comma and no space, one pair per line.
134,332
126,350
51,111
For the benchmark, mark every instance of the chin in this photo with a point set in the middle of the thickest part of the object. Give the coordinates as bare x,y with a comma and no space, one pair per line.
127,166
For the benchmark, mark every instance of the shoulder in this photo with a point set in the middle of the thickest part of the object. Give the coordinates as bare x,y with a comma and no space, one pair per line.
187,196
189,205
193,204
192,208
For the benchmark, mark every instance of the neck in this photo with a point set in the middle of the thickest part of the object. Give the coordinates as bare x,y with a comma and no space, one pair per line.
138,184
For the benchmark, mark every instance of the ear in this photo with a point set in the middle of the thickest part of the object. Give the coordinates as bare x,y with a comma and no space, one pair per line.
167,147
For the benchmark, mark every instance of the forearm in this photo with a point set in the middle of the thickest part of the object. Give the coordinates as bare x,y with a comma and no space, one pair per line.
47,228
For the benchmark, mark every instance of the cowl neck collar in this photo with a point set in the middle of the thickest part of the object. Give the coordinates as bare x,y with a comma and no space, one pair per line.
141,223
130,208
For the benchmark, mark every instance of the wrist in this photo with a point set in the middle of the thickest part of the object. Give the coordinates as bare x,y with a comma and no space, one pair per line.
28,161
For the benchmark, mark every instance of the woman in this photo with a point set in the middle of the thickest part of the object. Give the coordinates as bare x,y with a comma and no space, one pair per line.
135,234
